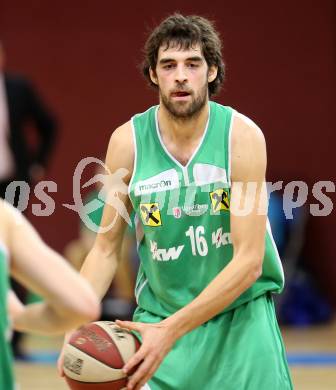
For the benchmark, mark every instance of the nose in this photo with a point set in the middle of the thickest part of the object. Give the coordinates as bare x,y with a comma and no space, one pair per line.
180,74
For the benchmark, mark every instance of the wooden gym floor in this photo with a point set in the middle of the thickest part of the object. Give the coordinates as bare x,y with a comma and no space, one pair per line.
311,351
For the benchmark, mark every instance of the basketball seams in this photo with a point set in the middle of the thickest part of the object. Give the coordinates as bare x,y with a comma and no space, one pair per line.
95,354
94,357
113,341
136,342
96,327
124,350
91,369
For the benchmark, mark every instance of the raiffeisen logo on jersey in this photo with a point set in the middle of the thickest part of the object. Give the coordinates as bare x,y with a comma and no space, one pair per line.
150,214
164,181
220,200
162,254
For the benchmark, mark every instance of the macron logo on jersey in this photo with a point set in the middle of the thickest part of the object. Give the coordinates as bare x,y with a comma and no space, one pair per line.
166,180
172,253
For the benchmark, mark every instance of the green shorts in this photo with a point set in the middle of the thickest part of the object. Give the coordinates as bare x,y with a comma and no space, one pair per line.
241,349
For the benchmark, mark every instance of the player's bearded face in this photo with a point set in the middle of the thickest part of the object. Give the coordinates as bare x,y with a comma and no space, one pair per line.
182,78
185,108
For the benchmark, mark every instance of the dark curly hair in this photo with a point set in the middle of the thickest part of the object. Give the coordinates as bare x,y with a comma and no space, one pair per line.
186,32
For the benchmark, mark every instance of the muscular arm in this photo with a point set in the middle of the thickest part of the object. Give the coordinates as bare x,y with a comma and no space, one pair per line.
101,263
69,300
247,231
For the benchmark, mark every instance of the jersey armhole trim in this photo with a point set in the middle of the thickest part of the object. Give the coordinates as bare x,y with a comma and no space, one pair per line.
229,146
135,162
137,295
269,231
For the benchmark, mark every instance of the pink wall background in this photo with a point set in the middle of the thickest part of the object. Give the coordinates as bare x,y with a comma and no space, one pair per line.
83,56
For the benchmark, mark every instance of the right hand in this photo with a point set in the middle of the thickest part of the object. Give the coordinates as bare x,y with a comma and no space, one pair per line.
60,361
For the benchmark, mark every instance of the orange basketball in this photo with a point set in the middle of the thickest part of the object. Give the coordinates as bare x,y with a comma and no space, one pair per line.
95,355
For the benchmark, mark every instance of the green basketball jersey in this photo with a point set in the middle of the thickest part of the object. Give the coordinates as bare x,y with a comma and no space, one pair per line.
6,371
183,217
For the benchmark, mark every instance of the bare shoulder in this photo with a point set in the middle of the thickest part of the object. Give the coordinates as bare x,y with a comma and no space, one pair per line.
245,131
120,153
248,146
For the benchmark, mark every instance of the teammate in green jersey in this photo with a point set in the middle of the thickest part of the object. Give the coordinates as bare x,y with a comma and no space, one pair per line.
69,300
196,180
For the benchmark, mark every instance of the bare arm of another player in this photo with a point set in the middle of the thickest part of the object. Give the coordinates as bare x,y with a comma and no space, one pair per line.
100,264
69,300
248,236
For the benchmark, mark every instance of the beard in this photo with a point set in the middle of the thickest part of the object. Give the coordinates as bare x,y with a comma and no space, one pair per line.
184,110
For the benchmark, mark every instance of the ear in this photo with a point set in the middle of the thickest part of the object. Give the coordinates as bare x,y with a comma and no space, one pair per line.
212,73
153,77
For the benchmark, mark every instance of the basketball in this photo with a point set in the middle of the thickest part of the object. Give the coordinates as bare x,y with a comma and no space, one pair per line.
95,355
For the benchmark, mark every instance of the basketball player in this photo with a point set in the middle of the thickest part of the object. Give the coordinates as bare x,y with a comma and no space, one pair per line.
69,300
208,265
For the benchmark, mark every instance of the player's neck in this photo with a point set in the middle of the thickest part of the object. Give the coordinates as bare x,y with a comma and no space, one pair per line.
182,130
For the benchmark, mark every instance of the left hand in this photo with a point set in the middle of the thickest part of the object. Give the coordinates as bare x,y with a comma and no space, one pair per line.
157,340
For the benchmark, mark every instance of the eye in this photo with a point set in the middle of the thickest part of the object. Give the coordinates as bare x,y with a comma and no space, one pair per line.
168,66
193,65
